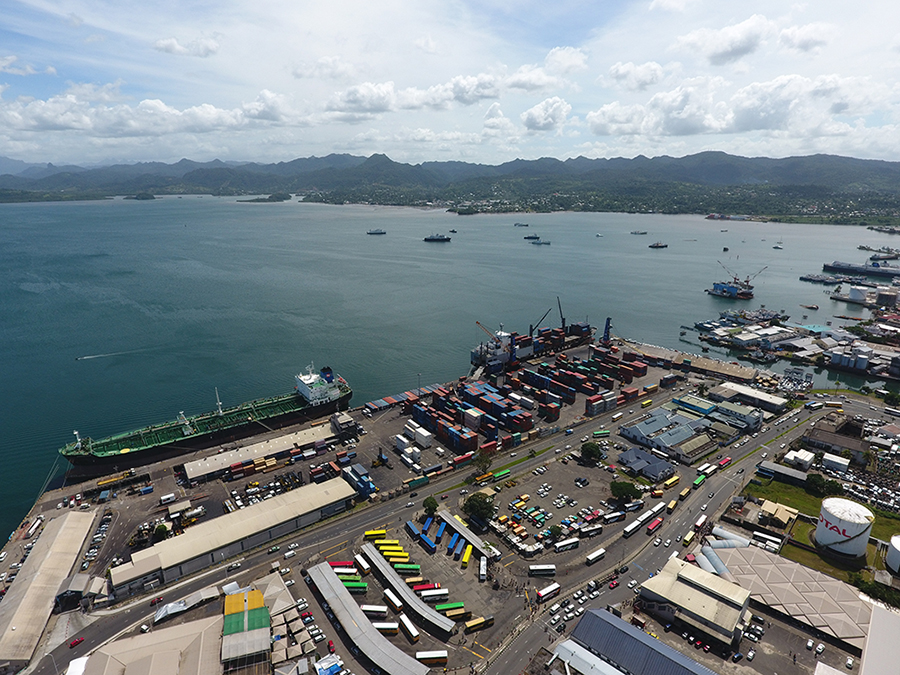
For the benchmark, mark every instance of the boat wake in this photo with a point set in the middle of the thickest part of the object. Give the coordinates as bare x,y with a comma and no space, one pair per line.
105,356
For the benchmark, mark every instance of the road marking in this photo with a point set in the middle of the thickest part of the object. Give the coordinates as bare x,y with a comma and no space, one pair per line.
483,647
509,563
338,547
471,652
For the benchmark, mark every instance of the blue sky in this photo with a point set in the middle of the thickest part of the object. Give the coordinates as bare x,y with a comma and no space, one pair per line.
97,81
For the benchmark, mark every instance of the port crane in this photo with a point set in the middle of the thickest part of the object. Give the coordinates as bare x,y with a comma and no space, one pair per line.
532,327
562,319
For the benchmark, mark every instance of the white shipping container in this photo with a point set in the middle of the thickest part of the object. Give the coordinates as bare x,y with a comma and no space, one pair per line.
410,430
406,459
423,438
402,442
527,403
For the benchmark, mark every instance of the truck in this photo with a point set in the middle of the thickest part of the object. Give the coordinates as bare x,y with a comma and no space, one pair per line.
167,499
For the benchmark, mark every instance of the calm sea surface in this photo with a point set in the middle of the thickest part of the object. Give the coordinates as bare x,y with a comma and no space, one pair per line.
122,313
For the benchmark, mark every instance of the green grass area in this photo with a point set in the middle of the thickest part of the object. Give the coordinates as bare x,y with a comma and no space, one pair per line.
802,532
885,526
830,566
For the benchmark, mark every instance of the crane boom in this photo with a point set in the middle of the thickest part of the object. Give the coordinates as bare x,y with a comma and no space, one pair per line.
531,328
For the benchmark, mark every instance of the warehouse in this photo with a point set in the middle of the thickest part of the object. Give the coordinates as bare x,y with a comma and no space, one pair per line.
216,540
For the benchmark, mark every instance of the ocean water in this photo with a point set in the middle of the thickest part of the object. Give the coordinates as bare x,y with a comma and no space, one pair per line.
119,313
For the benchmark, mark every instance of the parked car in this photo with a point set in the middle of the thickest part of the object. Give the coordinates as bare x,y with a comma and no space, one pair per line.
331,646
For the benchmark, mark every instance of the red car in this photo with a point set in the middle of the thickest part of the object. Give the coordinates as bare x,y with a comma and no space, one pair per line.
75,642
155,601
613,584
331,646
698,644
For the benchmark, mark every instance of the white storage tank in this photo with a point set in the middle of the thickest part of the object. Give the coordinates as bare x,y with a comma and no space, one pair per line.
893,554
858,293
844,526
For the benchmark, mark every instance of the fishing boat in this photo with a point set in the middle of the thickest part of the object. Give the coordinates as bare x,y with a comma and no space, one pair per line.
639,232
658,244
540,242
810,306
520,224
532,237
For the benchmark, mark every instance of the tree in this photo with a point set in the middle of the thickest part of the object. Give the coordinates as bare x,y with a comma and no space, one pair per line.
160,533
483,462
555,531
623,490
480,506
591,453
430,505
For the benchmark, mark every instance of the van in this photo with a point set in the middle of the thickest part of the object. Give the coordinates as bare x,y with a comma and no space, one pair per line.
290,554
554,609
145,628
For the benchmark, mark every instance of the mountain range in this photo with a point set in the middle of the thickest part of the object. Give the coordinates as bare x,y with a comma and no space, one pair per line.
378,179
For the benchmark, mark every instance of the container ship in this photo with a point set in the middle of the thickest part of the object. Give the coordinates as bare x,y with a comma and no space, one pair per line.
314,395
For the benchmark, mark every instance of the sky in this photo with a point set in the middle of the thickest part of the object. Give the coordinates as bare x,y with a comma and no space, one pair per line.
93,82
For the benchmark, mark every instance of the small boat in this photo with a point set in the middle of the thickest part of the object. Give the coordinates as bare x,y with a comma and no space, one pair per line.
538,242
639,232
520,224
724,248
658,244
378,231
452,231
778,246
810,306
531,236
723,230
599,235
438,237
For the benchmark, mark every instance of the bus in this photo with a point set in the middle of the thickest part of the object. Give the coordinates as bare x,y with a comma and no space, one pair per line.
361,564
699,482
700,523
501,475
702,468
395,558
458,614
356,587
595,556
712,469
452,544
386,542
375,534
892,411
440,533
479,623
482,569
435,658
457,552
833,404
603,433
427,526
466,556
549,592
484,478
378,611
688,538
407,569
412,530
411,632
591,531
684,494
565,545
614,517
672,482
617,416
435,595
386,627
345,570
646,403
350,577
429,545
631,528
542,570
340,563
655,525
414,581
448,606
814,405
392,600
425,587
391,551
671,506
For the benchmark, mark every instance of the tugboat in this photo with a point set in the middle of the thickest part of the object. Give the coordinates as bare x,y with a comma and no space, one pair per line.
437,237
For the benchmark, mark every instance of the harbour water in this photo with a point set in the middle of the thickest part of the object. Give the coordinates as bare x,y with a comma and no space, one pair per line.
122,313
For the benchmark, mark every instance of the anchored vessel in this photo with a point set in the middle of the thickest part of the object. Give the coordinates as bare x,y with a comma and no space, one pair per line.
438,237
314,395
658,244
377,231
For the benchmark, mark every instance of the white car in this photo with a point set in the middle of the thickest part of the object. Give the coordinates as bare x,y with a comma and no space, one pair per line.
667,543
657,541
703,508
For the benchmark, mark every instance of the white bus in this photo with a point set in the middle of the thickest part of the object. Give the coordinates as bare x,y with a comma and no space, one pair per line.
703,468
411,631
542,570
378,611
595,556
617,416
392,600
551,591
565,545
482,569
435,595
361,564
591,530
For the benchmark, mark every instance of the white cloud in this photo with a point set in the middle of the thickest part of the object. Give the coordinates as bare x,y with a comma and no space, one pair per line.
806,38
326,67
201,47
426,44
6,66
368,98
547,115
496,125
636,77
531,78
728,44
671,5
565,60
89,93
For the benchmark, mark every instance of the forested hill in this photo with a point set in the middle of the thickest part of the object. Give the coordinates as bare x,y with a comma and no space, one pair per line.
816,186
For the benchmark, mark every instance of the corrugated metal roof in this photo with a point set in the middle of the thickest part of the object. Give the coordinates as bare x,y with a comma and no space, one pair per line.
631,649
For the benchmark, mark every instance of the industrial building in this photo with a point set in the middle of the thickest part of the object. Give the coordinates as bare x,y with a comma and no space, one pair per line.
28,602
641,463
687,595
603,644
741,393
784,474
800,459
679,435
216,540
